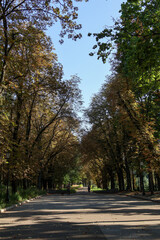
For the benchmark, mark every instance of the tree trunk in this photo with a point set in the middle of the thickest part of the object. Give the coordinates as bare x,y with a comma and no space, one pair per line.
128,175
14,185
151,184
142,183
98,183
104,178
24,183
104,183
120,179
1,176
112,177
40,181
158,181
44,184
15,144
133,181
50,183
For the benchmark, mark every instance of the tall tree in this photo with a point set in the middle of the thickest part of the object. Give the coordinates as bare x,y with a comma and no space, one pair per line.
134,39
14,14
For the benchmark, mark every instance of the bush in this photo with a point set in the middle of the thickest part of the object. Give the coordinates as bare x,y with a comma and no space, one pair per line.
19,196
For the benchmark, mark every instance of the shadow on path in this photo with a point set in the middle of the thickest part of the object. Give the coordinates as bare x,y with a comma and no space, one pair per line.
82,216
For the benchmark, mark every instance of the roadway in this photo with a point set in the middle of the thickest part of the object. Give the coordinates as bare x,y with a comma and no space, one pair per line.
82,216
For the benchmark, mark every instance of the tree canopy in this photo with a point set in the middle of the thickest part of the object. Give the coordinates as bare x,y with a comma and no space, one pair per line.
38,109
39,124
126,111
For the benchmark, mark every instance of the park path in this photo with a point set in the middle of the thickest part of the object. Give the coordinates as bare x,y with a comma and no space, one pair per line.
82,216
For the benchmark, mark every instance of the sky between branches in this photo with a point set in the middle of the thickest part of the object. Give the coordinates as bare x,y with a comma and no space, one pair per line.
74,56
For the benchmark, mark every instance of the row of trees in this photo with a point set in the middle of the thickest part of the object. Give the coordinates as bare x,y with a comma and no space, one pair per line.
38,121
124,140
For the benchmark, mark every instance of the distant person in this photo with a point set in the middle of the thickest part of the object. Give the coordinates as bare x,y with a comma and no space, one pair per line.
89,188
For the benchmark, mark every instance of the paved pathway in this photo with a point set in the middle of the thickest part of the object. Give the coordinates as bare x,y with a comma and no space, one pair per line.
82,216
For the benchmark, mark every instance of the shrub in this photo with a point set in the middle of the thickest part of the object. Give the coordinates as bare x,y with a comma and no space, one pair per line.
19,196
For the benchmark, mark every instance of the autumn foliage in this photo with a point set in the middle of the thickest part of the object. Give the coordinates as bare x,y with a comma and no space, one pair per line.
124,116
38,120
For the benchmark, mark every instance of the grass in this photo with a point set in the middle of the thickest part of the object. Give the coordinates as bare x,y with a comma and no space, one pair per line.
19,196
100,190
96,189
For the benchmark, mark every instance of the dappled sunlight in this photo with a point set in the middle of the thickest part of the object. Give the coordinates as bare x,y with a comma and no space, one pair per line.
82,217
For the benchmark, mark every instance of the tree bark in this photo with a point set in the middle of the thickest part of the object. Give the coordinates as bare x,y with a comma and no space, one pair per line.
14,185
128,175
112,178
142,183
104,177
120,179
40,180
133,181
158,181
151,184
24,183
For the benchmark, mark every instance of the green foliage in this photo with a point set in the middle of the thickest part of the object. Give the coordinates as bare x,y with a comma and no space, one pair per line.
72,177
66,179
94,188
136,36
19,196
30,193
125,113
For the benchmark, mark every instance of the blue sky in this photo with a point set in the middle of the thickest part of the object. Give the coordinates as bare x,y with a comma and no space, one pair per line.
74,56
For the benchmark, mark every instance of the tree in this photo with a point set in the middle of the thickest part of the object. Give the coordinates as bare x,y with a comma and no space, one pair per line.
134,40
38,117
125,139
15,14
40,106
